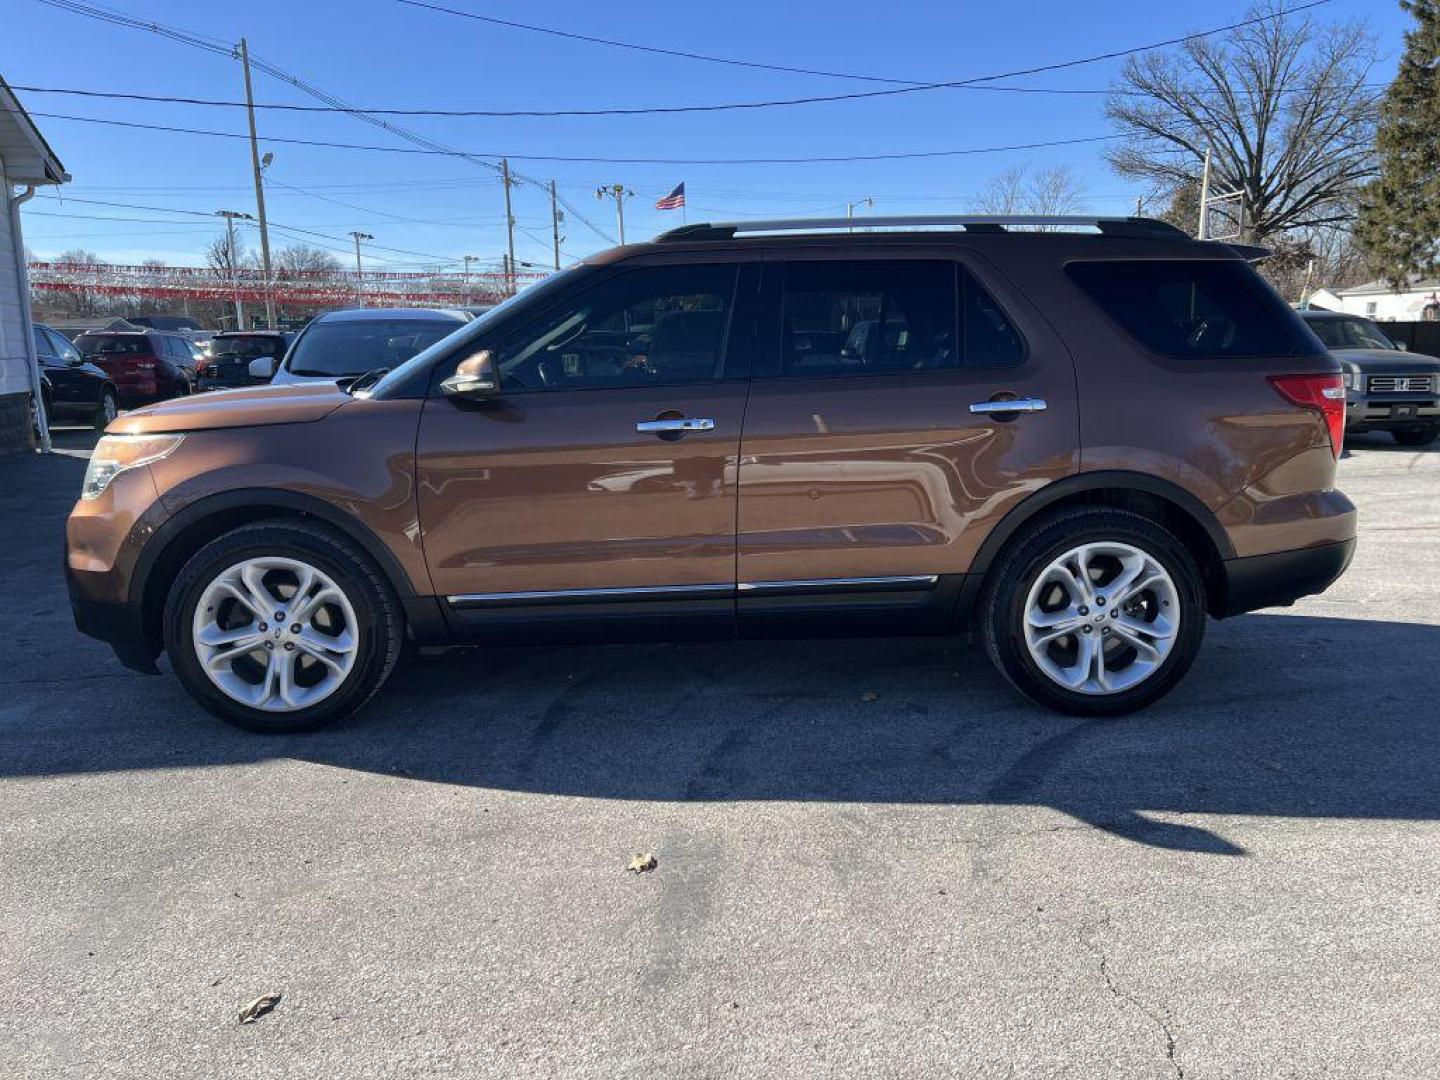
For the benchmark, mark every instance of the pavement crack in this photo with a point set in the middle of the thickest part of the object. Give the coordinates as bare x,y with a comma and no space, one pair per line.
1163,1018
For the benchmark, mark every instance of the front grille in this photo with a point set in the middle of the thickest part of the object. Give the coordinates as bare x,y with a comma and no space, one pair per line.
1401,384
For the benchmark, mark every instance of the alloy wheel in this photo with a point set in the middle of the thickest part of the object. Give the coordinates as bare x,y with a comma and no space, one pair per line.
1101,618
275,633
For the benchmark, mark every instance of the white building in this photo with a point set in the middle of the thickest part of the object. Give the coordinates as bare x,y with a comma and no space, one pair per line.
1377,300
26,162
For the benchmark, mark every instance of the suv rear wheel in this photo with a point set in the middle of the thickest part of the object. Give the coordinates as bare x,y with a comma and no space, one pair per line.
282,626
1095,612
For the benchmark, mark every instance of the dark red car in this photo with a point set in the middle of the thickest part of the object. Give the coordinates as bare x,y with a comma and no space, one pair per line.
144,365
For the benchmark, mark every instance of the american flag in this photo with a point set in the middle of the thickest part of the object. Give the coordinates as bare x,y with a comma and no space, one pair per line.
675,200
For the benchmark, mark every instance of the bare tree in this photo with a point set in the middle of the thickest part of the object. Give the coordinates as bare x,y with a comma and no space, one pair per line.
299,259
1283,105
227,255
1019,191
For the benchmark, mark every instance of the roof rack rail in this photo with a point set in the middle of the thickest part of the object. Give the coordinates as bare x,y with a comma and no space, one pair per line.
982,223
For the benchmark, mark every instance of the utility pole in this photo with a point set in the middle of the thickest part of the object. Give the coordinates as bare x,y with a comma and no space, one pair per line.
1204,230
509,229
555,218
232,256
359,286
257,166
618,192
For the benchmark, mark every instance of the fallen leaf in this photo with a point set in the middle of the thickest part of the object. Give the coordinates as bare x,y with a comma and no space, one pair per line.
643,864
258,1008
869,695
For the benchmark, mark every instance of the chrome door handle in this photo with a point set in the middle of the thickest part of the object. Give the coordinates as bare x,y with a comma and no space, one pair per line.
687,423
1024,404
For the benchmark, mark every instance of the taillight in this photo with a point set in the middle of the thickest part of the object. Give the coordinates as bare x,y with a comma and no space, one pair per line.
144,366
1323,393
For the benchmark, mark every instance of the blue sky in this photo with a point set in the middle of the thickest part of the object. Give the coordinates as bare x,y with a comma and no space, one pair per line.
383,53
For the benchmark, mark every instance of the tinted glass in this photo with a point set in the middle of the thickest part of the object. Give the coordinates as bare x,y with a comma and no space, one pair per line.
355,346
1194,309
247,346
114,345
988,337
61,346
644,328
858,318
42,343
1349,334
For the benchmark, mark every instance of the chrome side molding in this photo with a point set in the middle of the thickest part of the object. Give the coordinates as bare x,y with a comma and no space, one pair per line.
902,583
588,596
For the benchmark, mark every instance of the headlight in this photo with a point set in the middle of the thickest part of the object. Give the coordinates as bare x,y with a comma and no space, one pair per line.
1354,381
116,453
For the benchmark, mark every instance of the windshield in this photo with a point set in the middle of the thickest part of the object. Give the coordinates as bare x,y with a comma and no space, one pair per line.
352,346
113,345
1350,334
247,347
400,374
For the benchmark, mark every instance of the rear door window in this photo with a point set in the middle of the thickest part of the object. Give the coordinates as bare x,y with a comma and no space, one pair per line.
1195,309
113,345
887,317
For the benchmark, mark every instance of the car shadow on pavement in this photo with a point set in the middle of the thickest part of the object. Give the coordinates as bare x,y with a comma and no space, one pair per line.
1283,715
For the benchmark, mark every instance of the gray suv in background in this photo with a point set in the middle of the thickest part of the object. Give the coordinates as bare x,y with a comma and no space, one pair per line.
1386,388
345,344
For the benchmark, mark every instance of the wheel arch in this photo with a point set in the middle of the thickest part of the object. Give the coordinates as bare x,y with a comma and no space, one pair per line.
190,529
1166,502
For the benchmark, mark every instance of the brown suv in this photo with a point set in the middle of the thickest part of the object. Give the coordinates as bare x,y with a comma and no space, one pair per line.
1080,441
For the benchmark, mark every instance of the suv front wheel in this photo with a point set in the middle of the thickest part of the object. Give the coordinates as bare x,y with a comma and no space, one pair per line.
1095,612
282,626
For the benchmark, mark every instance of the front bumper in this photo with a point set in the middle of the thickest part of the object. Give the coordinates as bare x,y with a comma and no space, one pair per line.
118,625
1282,577
1385,412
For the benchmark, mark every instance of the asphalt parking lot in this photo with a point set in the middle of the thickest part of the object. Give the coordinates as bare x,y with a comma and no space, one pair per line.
874,859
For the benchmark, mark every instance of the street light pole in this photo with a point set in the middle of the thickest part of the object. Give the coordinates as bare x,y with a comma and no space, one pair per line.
850,209
468,260
618,192
359,287
232,257
256,166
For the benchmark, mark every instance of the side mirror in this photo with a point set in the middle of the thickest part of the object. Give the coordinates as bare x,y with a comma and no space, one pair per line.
1402,346
262,367
474,379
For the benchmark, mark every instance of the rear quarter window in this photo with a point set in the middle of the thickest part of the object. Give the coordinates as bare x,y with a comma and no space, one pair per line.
1195,309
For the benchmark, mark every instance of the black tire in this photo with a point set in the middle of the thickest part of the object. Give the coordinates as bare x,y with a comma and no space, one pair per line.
108,410
1417,436
377,610
1002,610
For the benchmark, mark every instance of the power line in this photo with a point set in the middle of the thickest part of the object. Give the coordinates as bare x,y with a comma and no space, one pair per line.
372,116
170,99
655,49
907,87
964,152
422,142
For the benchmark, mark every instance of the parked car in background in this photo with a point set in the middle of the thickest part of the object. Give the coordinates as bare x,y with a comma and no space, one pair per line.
73,389
232,351
344,344
1081,444
145,365
1386,388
